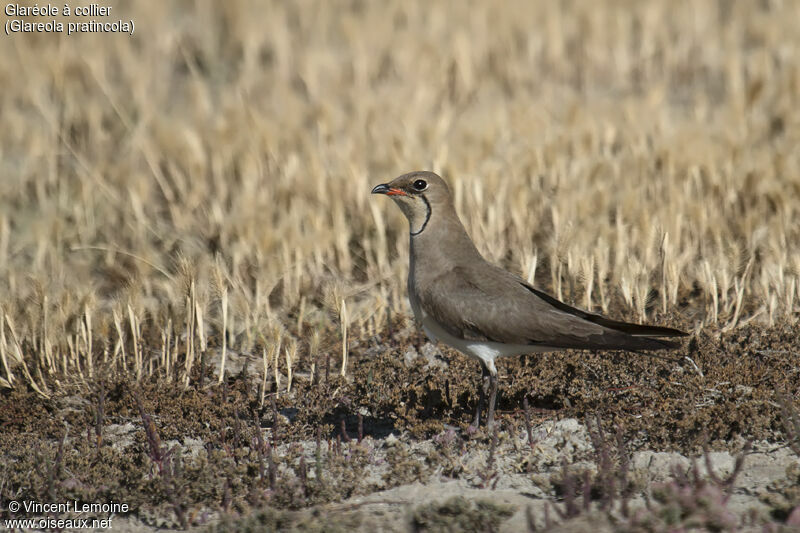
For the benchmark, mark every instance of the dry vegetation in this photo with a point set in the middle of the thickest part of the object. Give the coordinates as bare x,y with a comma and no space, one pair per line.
213,171
201,190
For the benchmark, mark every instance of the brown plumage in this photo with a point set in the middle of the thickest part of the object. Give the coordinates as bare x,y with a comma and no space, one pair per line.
510,311
482,310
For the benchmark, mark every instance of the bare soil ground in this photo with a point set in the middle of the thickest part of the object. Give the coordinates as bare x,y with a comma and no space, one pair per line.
389,447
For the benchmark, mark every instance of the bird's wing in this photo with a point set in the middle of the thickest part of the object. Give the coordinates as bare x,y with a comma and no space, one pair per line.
486,303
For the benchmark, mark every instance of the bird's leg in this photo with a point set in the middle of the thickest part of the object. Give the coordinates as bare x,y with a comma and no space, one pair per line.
492,399
481,396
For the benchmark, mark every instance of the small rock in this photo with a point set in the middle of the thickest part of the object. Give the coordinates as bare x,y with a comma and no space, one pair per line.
289,413
192,447
433,356
722,464
410,356
120,435
658,464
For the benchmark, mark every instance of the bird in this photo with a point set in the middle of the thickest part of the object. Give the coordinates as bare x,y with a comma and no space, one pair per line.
483,311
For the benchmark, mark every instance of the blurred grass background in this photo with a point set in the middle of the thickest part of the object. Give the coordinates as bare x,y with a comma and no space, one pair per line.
212,172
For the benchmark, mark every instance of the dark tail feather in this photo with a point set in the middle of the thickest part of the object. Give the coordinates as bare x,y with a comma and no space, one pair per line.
638,330
617,340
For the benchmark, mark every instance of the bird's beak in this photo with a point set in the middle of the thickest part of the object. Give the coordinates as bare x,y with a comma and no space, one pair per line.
388,191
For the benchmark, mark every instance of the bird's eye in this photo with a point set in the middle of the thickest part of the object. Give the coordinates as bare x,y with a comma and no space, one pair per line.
420,185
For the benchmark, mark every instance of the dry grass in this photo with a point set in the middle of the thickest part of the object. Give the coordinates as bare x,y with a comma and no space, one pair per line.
212,173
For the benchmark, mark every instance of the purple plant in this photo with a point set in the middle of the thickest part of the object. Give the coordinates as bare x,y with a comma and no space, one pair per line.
688,501
163,459
490,475
159,454
527,412
100,414
261,449
791,422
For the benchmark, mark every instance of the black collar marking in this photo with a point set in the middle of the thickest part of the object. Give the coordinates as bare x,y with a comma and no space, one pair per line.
427,216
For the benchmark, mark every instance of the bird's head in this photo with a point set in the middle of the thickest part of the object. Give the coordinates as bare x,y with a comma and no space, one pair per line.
417,194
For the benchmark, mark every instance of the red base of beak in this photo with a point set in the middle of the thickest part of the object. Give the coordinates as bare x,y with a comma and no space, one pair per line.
388,191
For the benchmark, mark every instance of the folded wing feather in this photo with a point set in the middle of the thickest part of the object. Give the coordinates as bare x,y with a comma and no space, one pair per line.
486,303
